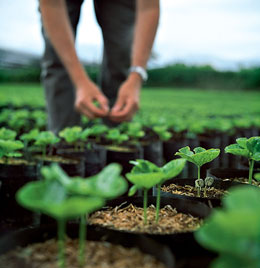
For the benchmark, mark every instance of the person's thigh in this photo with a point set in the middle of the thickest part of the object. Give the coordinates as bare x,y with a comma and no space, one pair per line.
116,19
59,90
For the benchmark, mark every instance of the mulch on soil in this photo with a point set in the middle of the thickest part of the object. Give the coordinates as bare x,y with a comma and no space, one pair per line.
130,218
98,254
189,190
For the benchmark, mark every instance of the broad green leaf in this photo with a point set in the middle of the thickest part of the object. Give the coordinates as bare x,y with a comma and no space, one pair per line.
30,136
7,134
109,183
235,149
71,134
173,168
242,142
9,147
257,176
241,197
199,150
144,166
201,155
145,180
51,198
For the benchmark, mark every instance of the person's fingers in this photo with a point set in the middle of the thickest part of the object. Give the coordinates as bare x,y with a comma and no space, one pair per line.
118,106
83,110
98,112
102,100
126,113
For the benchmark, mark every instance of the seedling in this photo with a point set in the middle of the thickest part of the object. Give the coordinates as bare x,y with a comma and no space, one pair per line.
249,148
208,182
145,174
19,120
44,139
233,231
116,137
199,157
7,134
96,131
162,132
9,149
63,198
134,130
28,138
72,135
39,117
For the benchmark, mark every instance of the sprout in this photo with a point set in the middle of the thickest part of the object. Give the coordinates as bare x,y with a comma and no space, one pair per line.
208,182
45,138
116,137
9,148
63,198
145,174
7,134
249,148
199,183
199,157
72,135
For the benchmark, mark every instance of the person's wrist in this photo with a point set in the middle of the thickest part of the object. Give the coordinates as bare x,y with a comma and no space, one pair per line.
135,78
139,70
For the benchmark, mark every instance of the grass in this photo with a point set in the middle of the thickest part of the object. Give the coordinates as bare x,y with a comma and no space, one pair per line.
159,101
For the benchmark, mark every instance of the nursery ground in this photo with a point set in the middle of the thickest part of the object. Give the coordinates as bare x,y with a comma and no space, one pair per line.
159,101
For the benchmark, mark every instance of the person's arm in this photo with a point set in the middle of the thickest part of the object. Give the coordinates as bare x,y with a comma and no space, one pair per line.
147,18
57,26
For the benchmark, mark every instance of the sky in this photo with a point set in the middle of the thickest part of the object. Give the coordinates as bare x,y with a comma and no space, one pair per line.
222,33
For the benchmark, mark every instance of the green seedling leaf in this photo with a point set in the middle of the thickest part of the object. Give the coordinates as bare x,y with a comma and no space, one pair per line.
132,190
145,180
7,134
30,136
115,136
200,156
51,198
144,166
257,176
233,231
8,148
71,134
173,168
45,138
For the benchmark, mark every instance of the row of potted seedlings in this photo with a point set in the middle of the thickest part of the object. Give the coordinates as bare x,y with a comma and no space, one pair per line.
143,176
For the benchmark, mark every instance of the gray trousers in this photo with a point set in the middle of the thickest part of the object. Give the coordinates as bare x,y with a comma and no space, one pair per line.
116,19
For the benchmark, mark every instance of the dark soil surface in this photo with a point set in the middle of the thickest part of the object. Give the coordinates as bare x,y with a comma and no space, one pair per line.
98,255
130,218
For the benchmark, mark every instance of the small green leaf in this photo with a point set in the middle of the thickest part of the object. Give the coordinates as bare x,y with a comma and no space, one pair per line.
145,180
132,190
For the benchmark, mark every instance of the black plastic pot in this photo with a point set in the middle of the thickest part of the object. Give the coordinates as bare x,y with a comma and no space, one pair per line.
183,245
13,177
153,151
40,234
123,157
211,202
73,167
228,173
94,158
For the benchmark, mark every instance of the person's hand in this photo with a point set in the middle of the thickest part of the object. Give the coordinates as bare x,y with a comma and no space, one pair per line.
85,97
127,102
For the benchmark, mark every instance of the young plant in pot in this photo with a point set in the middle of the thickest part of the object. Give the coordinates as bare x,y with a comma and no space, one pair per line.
14,173
65,198
144,175
192,188
44,144
222,233
247,148
171,225
120,151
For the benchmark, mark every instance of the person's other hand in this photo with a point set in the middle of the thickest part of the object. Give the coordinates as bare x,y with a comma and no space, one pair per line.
127,103
86,96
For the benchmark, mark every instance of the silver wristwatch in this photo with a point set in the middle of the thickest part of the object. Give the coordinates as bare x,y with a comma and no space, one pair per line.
140,70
